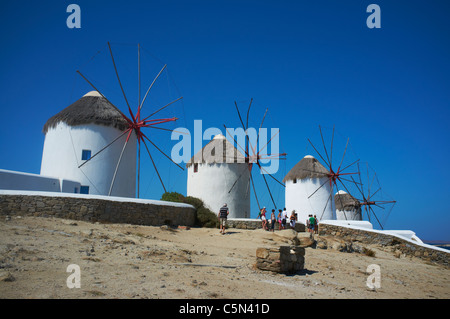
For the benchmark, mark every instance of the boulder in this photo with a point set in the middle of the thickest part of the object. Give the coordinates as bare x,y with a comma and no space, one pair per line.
305,240
288,236
294,238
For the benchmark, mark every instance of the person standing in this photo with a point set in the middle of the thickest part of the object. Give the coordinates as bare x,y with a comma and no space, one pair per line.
279,219
312,222
316,225
292,219
223,215
272,220
263,218
284,217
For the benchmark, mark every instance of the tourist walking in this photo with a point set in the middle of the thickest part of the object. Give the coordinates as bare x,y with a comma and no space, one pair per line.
223,215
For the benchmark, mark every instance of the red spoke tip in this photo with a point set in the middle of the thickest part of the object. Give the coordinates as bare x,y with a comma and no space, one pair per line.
152,122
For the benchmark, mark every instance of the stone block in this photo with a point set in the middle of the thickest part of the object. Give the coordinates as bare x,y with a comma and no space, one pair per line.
283,259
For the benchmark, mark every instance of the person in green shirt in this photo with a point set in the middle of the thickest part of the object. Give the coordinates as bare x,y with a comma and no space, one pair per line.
312,222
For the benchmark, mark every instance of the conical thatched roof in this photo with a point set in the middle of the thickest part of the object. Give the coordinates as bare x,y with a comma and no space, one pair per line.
308,167
219,150
346,202
91,108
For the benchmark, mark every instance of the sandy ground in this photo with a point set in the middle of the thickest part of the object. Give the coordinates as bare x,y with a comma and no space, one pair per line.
128,261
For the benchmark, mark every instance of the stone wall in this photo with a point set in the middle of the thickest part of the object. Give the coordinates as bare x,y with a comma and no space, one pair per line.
244,223
283,259
97,210
248,223
397,245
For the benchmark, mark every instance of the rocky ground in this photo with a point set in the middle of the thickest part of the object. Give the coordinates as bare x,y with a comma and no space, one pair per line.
128,261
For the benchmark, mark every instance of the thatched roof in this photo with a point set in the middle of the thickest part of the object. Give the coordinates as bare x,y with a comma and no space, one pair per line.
218,150
92,108
308,167
346,202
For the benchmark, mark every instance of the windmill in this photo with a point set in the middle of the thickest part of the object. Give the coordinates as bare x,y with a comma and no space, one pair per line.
336,176
255,156
136,122
375,203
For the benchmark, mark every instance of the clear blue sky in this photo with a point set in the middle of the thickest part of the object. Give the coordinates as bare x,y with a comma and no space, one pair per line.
310,62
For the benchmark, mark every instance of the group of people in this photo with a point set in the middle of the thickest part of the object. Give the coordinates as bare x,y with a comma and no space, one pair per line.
282,218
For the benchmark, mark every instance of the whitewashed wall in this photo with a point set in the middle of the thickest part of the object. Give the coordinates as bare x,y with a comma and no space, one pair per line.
62,155
354,214
212,183
296,197
12,180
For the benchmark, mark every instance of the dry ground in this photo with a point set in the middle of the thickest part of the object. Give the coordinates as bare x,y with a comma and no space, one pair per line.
128,261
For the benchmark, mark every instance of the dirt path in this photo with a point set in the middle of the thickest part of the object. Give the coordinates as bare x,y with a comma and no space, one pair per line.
127,261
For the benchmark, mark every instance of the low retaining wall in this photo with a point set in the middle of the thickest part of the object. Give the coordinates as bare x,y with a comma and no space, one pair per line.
244,223
399,245
248,223
96,208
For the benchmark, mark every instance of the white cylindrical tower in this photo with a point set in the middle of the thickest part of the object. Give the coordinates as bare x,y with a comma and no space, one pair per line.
308,190
347,207
77,133
217,175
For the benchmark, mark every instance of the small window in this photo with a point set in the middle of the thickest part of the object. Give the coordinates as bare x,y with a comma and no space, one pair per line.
195,168
295,181
85,155
84,189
